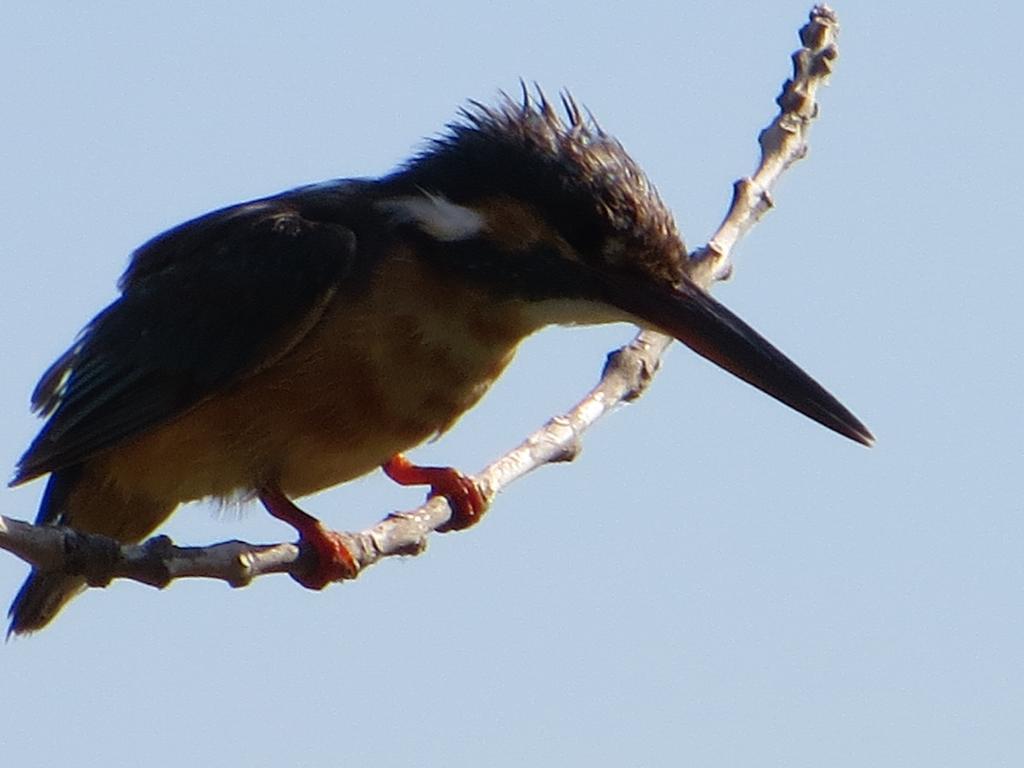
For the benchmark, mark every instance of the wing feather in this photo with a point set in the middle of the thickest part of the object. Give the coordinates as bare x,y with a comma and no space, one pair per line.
202,306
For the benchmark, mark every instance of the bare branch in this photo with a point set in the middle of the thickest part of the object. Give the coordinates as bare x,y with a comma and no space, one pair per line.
783,142
626,375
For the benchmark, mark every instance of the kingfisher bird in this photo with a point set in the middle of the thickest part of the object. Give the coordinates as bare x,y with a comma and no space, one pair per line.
285,345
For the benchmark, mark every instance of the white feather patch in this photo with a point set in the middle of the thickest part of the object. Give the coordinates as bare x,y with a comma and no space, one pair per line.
436,215
576,312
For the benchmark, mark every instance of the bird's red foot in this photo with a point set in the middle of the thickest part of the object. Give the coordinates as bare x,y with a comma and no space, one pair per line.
464,495
334,561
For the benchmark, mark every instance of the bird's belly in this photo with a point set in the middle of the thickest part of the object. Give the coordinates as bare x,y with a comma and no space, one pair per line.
378,375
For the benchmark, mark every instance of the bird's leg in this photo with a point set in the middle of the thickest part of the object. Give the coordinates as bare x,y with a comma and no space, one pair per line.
464,495
334,561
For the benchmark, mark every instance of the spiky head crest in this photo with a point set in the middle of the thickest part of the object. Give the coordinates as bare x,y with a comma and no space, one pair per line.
579,178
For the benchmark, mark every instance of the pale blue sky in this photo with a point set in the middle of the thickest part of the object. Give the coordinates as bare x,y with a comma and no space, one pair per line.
716,581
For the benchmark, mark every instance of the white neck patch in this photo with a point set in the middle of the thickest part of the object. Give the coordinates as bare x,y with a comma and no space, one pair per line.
436,215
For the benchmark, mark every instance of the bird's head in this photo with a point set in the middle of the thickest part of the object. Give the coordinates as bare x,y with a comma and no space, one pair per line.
539,206
550,210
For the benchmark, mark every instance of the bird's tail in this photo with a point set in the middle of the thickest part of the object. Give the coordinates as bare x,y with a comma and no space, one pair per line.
40,598
76,499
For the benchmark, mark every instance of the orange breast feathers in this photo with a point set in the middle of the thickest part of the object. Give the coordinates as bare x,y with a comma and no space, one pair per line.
380,373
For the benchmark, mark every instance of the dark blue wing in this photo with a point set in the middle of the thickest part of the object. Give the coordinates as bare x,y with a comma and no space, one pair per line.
202,305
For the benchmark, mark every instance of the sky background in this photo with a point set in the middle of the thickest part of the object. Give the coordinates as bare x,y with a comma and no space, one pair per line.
716,580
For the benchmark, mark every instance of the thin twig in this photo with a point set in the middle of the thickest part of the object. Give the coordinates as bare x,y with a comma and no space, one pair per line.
626,375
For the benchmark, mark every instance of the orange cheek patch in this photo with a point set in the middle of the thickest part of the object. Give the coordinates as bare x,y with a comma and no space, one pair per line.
516,226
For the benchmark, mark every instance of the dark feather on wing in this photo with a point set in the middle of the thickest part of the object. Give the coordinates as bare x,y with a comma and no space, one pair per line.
202,305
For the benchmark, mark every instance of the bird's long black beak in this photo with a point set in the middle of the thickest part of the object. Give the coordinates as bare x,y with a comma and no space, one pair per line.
712,331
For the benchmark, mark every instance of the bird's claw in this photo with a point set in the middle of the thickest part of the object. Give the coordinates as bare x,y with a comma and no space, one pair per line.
334,559
464,496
